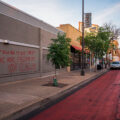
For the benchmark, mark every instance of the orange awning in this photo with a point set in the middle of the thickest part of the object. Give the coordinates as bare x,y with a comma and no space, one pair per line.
77,48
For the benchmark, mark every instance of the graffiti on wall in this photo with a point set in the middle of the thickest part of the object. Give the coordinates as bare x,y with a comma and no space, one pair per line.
16,61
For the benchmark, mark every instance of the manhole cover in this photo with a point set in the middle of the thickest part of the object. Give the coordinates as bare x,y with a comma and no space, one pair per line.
60,85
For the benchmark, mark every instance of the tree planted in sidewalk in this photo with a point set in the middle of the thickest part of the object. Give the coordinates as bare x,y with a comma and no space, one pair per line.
59,52
112,33
98,43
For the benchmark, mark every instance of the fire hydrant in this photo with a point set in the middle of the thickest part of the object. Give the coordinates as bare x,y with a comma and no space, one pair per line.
55,83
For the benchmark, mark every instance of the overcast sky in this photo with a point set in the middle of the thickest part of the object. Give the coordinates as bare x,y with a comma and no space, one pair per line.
56,12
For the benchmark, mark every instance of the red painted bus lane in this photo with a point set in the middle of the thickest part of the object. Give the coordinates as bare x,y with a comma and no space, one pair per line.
99,100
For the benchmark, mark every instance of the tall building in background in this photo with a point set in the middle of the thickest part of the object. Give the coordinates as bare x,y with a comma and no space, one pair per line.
93,28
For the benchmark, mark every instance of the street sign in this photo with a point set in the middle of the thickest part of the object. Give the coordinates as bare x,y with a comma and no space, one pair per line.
87,20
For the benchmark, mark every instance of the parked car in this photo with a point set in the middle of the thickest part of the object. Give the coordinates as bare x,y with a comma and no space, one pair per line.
115,65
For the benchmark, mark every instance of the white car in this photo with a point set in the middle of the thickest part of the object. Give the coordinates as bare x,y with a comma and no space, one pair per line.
115,65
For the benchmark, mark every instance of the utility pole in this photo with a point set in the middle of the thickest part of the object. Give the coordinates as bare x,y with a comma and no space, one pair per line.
82,68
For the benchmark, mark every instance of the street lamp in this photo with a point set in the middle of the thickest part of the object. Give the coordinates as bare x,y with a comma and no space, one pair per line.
82,67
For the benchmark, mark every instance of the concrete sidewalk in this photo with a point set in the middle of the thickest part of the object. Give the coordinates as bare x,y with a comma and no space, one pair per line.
21,97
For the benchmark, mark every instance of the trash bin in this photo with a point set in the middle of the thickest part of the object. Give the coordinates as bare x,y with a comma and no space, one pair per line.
99,67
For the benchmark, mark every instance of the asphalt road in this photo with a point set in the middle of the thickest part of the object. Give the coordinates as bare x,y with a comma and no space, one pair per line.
100,100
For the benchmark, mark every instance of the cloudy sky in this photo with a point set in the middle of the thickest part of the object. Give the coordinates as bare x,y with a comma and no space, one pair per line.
56,12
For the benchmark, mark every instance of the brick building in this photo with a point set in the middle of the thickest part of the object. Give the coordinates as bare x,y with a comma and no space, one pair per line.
73,34
114,52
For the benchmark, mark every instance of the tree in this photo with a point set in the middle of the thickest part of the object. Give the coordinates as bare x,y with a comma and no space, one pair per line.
114,34
98,43
104,34
59,52
114,31
95,45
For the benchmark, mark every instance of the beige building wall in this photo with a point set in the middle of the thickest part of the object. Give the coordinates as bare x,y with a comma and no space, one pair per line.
93,28
72,33
115,51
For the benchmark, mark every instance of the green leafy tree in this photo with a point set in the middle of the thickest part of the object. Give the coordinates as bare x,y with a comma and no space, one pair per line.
59,51
104,34
98,43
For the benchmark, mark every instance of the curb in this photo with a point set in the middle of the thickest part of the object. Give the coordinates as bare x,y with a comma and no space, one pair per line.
40,106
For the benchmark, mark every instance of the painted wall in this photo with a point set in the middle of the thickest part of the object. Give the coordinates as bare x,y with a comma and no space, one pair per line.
26,54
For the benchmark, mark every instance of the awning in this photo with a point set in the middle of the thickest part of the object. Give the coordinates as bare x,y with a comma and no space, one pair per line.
80,48
77,48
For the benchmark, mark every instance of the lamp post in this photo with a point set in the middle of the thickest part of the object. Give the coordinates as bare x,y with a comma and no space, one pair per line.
82,67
